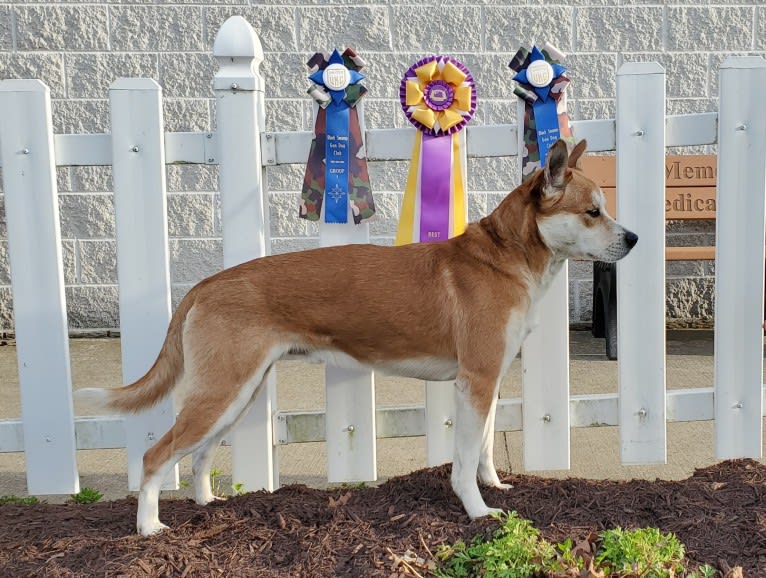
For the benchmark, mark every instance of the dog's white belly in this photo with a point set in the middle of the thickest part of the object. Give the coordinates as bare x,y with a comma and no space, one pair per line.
428,368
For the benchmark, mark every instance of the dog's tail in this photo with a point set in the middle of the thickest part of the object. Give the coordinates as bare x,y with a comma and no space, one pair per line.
158,382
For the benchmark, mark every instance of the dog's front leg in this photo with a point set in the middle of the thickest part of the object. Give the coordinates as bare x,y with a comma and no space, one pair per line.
474,400
487,472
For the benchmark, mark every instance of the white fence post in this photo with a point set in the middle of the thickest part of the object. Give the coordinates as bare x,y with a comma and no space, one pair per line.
739,264
240,112
350,393
37,281
140,206
641,276
441,403
441,408
545,371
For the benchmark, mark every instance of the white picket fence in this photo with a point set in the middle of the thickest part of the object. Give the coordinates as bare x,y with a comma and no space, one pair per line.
138,148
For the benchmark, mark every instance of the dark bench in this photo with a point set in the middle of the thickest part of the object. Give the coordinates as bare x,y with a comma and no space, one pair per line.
690,193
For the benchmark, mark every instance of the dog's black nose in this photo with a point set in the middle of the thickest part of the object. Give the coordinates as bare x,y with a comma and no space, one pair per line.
631,238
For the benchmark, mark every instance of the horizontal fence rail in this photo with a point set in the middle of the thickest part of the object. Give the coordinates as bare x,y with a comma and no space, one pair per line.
383,144
243,148
591,410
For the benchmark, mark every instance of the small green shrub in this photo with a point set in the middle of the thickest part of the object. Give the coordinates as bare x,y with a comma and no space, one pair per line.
643,552
705,571
87,496
17,501
515,551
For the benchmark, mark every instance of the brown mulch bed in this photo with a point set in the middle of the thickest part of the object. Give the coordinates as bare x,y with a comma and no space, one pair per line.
719,513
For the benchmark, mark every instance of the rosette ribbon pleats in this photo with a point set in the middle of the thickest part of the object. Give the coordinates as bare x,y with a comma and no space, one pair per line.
541,86
336,171
438,96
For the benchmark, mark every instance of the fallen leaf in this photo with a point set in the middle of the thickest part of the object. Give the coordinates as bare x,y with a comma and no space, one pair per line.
341,501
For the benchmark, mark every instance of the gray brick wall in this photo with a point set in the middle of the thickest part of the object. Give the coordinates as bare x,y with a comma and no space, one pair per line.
79,48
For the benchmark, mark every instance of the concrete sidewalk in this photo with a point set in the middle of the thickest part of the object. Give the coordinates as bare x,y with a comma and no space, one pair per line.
595,451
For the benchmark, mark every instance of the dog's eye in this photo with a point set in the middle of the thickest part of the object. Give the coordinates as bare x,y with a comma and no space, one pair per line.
594,213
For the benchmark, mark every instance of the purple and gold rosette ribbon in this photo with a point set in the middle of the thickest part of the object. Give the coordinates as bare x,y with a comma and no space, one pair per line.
438,95
336,171
541,85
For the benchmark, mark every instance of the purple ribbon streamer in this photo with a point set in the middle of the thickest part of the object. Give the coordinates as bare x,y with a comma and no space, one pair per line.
435,185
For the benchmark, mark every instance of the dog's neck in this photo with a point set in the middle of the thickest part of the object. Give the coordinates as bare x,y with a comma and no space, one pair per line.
513,224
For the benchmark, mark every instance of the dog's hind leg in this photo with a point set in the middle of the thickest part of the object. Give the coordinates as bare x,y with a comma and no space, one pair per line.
202,462
202,457
473,405
487,472
158,460
208,412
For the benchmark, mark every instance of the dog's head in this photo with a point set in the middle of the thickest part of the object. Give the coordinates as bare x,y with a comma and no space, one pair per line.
572,217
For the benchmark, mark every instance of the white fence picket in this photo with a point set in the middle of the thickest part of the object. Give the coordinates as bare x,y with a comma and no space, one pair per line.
441,407
545,382
240,111
138,170
641,276
37,281
349,393
440,400
739,266
545,372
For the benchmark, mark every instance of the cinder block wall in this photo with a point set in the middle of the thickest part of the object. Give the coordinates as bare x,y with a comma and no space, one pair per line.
79,48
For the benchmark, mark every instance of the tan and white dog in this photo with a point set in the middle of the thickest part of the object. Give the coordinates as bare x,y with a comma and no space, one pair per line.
458,310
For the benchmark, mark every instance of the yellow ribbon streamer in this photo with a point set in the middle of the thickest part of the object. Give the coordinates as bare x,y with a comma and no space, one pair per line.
405,232
409,231
458,201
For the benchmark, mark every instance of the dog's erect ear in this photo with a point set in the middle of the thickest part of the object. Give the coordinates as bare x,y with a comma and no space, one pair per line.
575,157
556,167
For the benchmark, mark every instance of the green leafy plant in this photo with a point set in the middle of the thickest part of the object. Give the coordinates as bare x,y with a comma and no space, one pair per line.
515,551
184,483
567,559
17,501
238,489
215,481
645,552
87,496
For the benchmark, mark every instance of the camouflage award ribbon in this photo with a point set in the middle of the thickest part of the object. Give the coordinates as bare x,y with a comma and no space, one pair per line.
541,85
438,95
336,171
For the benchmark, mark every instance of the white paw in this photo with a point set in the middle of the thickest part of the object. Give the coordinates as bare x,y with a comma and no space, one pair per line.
489,478
485,511
151,528
205,500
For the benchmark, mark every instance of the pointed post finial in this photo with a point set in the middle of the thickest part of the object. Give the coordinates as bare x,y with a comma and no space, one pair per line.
239,54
